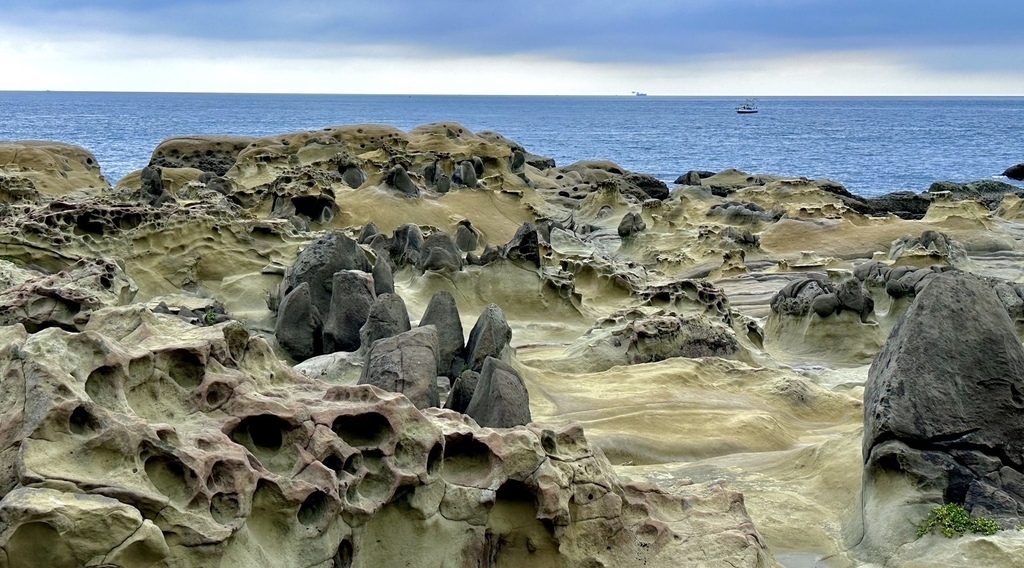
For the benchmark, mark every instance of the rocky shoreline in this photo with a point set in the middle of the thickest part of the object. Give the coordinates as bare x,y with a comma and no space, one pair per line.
360,346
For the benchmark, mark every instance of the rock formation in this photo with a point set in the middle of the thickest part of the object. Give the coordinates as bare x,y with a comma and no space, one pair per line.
942,420
152,417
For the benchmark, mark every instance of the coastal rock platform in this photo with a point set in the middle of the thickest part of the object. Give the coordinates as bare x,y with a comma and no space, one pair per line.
583,366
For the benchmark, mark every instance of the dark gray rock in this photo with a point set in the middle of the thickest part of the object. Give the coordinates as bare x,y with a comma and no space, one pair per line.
693,177
517,161
944,399
524,245
318,262
443,313
405,363
465,237
462,391
352,176
1015,172
350,305
443,183
388,317
795,298
825,305
383,276
539,162
399,179
489,337
440,254
366,235
465,174
989,192
152,187
478,166
872,270
500,399
299,326
631,224
852,296
406,245
649,186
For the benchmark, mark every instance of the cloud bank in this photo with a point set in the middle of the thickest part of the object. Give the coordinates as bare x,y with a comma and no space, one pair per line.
697,47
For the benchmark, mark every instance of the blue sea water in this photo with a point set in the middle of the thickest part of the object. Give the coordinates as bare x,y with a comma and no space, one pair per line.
873,145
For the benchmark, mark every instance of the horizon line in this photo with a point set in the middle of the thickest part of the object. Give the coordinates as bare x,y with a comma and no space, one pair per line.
630,95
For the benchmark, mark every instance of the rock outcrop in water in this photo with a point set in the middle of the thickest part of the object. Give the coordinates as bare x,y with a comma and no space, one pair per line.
149,330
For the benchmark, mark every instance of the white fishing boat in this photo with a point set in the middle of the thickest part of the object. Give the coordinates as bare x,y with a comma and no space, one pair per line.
749,107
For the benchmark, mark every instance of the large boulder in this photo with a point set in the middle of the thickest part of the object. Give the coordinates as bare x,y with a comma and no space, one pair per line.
405,363
1015,172
944,412
500,399
350,306
443,313
299,325
388,317
489,337
317,264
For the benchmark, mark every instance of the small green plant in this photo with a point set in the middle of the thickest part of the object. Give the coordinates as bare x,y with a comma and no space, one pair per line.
210,317
953,520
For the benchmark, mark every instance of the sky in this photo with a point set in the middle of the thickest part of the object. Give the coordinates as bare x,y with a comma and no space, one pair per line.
528,47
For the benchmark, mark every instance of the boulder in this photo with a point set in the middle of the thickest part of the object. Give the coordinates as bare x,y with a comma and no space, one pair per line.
440,254
465,237
388,317
152,189
350,305
944,412
443,313
383,276
500,399
406,245
524,245
398,179
632,224
462,391
317,264
465,175
299,325
693,177
489,337
405,363
1015,172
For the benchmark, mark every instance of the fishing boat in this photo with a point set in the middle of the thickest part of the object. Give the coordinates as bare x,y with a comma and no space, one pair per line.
639,94
749,107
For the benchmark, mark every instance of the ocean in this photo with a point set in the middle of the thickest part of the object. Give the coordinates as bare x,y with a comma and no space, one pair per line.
872,145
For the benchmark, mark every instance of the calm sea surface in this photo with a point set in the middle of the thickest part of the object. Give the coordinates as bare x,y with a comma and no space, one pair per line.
872,145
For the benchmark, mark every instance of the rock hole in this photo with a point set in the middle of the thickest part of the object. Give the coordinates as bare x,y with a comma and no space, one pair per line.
184,367
39,544
169,476
333,462
353,464
82,422
343,557
368,430
217,395
264,432
465,460
434,459
547,441
224,508
101,386
313,508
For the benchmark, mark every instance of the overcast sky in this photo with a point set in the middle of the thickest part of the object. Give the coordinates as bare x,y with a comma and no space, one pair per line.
569,47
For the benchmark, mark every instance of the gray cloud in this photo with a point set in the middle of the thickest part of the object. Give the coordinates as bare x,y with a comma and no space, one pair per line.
587,31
